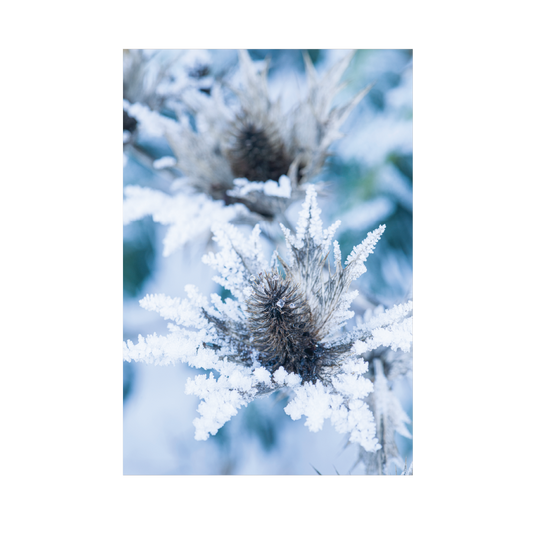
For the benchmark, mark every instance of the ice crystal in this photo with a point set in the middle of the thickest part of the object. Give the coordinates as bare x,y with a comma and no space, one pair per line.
282,329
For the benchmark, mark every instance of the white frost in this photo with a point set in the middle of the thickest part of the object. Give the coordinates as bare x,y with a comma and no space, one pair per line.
262,375
242,187
164,162
219,403
342,404
393,328
151,122
189,217
282,377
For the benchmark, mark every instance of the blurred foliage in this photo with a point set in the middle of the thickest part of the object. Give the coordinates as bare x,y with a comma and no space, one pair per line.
285,58
261,426
154,147
138,255
263,420
404,163
127,380
224,293
354,184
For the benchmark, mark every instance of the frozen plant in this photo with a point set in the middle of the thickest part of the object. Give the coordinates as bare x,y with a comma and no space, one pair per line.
241,148
284,328
155,78
389,416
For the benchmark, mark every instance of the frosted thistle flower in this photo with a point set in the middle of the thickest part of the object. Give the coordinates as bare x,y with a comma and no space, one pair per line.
242,148
253,141
245,162
282,329
156,77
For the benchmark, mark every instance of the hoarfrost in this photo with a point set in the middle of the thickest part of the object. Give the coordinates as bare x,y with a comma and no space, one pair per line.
189,216
164,162
242,187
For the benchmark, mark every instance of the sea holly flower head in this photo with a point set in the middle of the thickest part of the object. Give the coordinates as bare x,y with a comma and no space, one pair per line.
282,329
242,157
246,149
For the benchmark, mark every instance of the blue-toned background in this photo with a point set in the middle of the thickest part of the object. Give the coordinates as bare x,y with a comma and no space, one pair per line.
370,177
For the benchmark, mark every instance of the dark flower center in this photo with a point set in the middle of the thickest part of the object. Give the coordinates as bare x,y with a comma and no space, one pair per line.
283,329
256,155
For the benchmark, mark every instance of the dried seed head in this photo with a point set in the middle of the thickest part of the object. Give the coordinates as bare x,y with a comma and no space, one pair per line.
257,154
283,328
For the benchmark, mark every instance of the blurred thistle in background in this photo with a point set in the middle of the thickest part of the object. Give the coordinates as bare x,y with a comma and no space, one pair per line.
217,137
235,145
